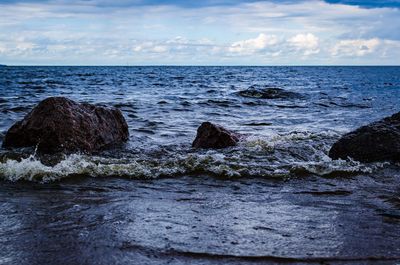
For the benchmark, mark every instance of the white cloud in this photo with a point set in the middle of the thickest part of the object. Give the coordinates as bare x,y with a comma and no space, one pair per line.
177,45
178,40
266,32
160,49
2,48
149,46
57,47
358,47
262,42
137,48
25,46
274,46
307,43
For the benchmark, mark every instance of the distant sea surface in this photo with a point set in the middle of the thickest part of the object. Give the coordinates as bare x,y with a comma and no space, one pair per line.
275,198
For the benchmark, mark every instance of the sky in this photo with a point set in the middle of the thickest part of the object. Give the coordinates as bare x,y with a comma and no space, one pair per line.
207,32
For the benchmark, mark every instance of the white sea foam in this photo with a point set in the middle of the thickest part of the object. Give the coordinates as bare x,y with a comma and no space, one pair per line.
274,156
33,169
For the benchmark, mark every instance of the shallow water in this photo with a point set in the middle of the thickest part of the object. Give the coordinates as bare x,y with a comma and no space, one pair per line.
276,197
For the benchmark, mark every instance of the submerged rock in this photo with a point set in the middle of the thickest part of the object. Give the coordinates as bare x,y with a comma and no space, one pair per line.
378,141
210,135
60,124
268,93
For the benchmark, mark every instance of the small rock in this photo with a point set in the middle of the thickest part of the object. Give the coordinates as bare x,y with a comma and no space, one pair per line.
210,135
268,93
60,124
378,141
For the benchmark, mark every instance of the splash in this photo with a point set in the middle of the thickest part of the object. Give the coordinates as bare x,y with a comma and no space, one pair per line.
276,156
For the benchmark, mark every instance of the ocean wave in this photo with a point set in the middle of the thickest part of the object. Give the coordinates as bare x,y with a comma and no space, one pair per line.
295,154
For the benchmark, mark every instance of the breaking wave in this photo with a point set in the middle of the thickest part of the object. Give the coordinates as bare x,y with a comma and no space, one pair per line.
295,154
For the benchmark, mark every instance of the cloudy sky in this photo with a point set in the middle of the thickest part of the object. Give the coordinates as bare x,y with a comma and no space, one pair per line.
203,32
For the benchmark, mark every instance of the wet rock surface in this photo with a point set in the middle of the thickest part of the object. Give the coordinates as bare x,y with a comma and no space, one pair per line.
268,93
378,141
211,135
198,220
60,124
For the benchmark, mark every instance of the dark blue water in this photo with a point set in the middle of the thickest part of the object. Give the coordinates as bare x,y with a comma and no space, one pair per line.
276,197
164,105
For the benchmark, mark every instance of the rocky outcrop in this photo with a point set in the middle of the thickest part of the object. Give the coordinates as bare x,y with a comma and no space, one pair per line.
210,135
60,124
378,141
268,93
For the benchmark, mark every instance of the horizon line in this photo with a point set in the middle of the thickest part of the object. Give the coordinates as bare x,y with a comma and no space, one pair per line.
200,65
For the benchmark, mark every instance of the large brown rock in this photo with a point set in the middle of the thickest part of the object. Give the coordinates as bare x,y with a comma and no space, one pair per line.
210,135
378,141
60,124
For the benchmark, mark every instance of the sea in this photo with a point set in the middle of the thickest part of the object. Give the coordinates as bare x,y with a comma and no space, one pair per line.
275,198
